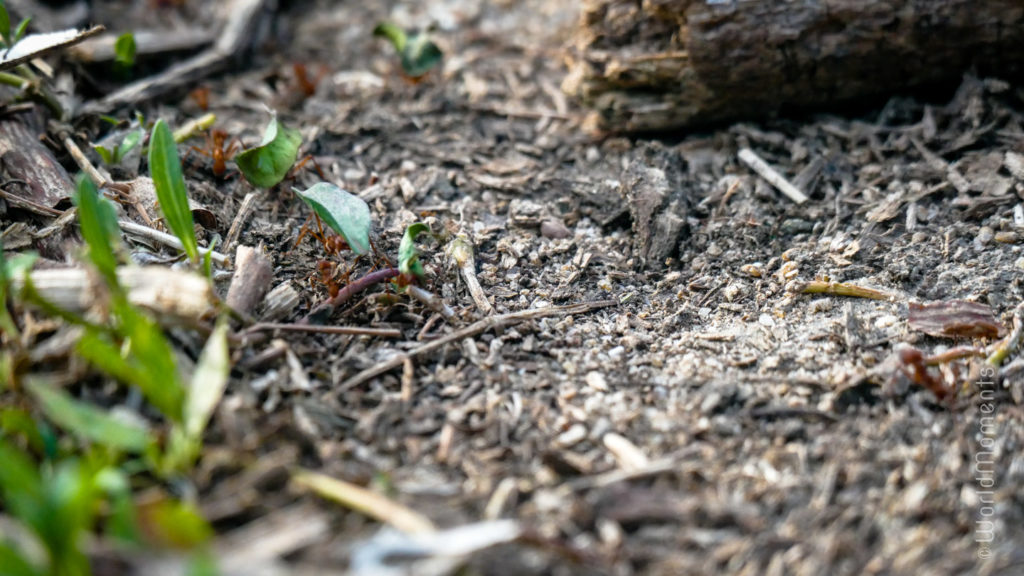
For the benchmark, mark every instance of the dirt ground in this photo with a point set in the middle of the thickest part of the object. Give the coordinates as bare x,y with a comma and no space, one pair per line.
714,420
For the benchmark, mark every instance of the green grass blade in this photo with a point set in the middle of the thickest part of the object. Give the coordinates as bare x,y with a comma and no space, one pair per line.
98,222
89,422
165,169
208,382
149,364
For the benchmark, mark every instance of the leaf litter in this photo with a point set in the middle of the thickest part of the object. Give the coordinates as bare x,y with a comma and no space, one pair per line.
764,429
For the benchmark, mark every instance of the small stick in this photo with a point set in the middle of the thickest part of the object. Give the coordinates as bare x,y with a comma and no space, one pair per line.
840,289
755,163
193,127
100,181
352,330
461,251
26,204
167,239
1009,344
408,375
323,312
56,41
432,301
240,218
372,504
83,162
489,323
952,354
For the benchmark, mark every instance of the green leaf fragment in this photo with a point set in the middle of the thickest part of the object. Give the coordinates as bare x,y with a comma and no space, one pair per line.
165,169
417,51
89,422
131,140
124,49
345,213
393,33
267,164
420,55
106,155
408,258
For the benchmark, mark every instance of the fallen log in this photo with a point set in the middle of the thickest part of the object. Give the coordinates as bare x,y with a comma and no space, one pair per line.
659,64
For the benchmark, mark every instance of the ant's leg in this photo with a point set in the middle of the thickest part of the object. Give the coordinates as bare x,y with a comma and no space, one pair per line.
309,158
302,232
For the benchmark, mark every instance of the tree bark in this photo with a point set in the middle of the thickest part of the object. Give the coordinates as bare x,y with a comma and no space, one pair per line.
659,64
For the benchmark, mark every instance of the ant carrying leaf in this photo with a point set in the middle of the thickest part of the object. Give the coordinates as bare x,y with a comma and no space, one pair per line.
417,51
266,164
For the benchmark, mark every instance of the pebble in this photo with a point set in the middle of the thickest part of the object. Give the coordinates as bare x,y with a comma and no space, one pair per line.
554,228
597,381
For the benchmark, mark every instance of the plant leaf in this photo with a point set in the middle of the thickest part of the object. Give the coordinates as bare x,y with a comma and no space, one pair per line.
22,28
20,484
88,421
408,258
5,25
208,382
106,155
131,140
393,33
14,563
124,49
420,55
346,213
10,268
172,523
98,222
165,169
149,365
267,164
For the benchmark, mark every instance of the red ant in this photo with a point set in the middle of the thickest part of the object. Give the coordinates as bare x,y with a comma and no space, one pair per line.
301,163
326,269
913,364
201,96
216,150
305,85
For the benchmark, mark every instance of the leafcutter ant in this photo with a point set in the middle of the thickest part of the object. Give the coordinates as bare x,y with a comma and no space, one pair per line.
220,149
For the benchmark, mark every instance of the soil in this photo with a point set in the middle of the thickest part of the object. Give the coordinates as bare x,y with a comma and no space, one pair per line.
715,419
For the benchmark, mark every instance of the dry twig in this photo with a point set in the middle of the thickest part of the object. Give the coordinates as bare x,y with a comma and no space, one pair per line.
755,163
840,289
491,323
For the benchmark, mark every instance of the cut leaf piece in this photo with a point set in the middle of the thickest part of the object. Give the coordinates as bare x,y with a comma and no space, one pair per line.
346,213
420,55
417,51
124,49
408,258
267,164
